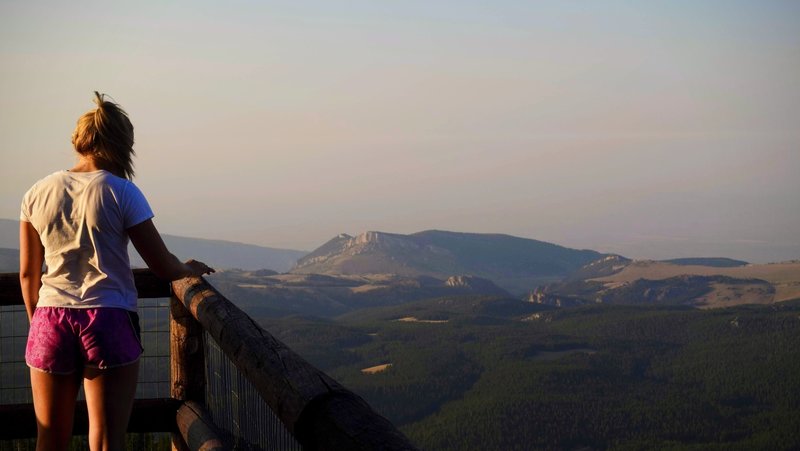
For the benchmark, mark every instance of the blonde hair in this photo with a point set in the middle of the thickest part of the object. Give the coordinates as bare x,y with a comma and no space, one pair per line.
106,133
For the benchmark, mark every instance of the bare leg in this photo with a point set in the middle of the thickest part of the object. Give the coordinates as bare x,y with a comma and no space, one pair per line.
54,403
109,400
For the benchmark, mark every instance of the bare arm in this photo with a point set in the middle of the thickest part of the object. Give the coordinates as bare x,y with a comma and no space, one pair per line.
31,257
154,252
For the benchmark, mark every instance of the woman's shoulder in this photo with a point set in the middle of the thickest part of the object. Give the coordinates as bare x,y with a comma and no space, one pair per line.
123,187
55,177
107,177
116,182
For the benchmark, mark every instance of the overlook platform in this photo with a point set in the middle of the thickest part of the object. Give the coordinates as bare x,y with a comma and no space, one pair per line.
231,384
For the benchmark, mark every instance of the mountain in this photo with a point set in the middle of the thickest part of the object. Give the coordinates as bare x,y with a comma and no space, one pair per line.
718,283
716,262
217,253
515,264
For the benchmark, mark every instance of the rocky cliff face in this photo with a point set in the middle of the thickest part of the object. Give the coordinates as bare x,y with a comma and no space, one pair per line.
345,245
331,248
556,300
602,267
366,253
475,284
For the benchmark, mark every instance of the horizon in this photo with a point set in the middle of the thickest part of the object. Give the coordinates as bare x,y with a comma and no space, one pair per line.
652,131
354,235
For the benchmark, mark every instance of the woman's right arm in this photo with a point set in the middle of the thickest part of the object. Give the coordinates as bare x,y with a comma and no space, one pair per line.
154,252
31,257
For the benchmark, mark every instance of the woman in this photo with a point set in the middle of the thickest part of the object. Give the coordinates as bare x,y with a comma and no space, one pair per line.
84,326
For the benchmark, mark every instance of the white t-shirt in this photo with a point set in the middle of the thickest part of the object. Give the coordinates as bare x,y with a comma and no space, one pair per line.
82,219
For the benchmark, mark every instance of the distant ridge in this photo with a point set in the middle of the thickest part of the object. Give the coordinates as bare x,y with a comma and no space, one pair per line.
217,253
227,254
716,262
616,280
516,264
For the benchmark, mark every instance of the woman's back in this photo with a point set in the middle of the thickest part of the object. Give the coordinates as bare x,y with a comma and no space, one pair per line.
82,219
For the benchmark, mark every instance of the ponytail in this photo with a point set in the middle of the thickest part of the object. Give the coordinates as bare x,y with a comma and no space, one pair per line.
106,133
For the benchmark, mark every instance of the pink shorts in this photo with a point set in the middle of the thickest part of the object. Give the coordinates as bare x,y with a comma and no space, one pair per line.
65,340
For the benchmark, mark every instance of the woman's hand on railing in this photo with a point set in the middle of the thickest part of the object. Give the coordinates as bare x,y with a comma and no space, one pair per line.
196,268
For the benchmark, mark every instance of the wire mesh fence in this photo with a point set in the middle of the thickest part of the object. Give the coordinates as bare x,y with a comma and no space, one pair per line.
154,364
153,372
15,385
14,378
237,408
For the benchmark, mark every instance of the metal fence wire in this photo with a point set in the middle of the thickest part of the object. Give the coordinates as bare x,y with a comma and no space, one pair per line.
15,384
154,375
238,410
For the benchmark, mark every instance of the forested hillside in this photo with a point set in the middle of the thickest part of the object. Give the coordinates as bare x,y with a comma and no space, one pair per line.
493,373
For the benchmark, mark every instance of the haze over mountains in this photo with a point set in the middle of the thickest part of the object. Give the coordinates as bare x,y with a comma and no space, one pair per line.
217,253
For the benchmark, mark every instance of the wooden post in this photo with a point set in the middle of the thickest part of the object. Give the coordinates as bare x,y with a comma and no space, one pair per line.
187,360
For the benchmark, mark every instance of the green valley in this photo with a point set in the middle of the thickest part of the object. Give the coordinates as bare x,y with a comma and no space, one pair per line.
497,373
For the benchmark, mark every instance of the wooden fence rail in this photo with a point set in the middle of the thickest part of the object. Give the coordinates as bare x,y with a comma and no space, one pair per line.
317,410
147,284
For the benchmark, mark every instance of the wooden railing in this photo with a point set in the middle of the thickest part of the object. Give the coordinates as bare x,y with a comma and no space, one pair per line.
319,412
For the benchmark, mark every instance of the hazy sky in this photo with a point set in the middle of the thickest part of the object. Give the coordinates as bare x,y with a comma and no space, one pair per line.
654,129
